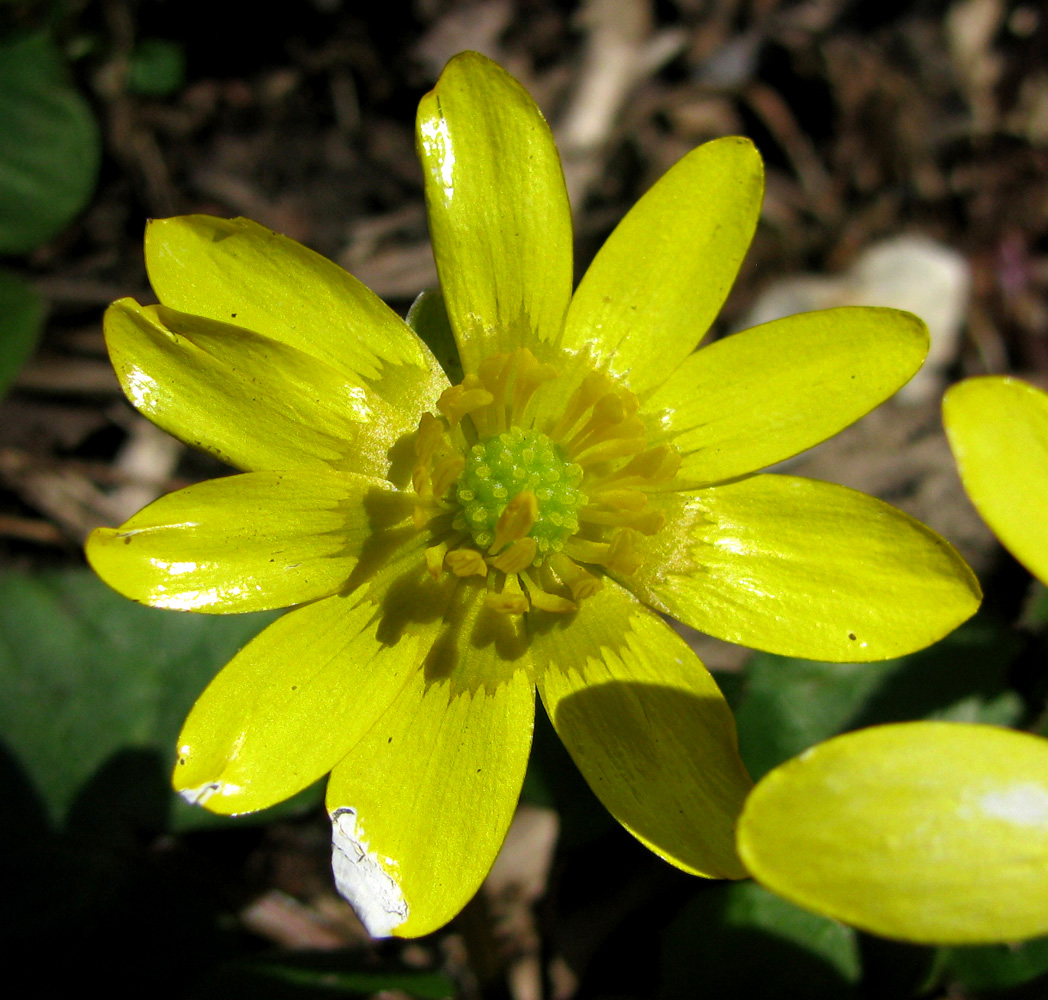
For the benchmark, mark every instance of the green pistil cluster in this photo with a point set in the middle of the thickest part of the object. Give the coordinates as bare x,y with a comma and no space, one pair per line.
507,464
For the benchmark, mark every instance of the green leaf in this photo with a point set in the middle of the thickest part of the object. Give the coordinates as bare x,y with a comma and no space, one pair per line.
997,966
90,680
22,314
157,68
51,145
738,940
428,317
310,975
790,705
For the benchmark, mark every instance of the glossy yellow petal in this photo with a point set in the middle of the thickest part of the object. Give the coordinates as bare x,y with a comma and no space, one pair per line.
998,430
248,543
933,832
236,271
647,726
660,279
498,209
803,568
297,698
251,401
422,804
763,395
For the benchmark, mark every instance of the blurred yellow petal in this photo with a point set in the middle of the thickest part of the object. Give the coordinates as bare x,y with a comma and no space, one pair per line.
248,543
421,805
660,279
998,430
933,832
236,271
297,698
763,395
498,210
647,726
251,401
804,568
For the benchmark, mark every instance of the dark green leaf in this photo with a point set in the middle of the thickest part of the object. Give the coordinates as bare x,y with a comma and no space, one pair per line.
22,314
737,940
790,705
998,966
90,680
429,319
157,68
51,146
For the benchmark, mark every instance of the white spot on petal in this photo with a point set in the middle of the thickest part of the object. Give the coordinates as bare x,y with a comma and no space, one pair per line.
1024,805
363,878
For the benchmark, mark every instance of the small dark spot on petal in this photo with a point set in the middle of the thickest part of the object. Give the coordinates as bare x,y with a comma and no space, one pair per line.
851,635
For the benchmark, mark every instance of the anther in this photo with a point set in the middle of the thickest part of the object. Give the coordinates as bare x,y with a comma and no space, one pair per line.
516,520
466,562
519,555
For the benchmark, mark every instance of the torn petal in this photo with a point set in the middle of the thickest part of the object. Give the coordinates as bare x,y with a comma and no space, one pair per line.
364,878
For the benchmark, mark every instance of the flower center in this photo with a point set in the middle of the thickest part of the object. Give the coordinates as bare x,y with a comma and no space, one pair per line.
503,467
535,510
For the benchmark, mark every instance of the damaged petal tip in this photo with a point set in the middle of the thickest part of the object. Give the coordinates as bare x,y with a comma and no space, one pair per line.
362,878
198,796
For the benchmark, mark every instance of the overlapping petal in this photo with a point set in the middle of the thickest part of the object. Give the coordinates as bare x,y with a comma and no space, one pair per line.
934,832
998,430
647,726
804,568
765,394
659,281
236,271
297,698
251,542
498,210
251,401
421,805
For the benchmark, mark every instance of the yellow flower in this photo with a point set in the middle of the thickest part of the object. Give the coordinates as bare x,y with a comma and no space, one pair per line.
998,430
453,547
935,832
929,831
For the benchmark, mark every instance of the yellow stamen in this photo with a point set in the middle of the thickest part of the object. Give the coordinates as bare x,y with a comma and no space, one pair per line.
518,556
466,562
530,375
435,559
445,473
464,398
580,582
516,520
546,601
646,522
511,601
593,386
622,554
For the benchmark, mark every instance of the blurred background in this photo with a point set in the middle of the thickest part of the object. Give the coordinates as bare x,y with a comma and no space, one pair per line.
906,145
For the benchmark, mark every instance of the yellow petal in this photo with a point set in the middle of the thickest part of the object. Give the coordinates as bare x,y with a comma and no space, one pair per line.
253,402
422,804
235,271
294,701
803,568
251,542
933,832
763,395
661,278
498,210
998,430
647,726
